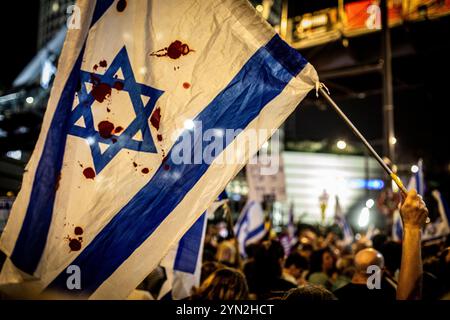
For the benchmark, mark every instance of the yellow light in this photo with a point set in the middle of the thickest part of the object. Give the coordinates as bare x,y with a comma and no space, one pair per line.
259,8
341,144
393,140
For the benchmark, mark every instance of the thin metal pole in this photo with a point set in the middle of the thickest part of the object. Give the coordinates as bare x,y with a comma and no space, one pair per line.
388,95
364,141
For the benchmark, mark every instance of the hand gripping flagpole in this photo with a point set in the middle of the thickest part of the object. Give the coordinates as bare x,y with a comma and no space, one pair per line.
389,171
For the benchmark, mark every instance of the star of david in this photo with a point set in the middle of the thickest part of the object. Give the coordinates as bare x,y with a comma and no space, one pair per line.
126,138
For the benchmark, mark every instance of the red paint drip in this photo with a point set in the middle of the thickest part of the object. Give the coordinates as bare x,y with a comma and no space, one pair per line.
186,85
103,64
135,164
89,173
145,171
95,67
118,129
121,5
100,91
75,245
78,231
159,136
166,167
118,85
156,118
175,50
58,178
105,129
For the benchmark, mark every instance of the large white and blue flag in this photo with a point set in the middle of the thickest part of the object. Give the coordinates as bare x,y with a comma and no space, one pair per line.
148,98
250,226
183,263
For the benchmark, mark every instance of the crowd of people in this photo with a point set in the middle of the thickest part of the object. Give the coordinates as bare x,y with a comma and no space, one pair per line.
319,267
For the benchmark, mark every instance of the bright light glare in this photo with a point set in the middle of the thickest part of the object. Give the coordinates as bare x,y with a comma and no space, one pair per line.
370,203
393,140
341,144
29,100
414,169
189,124
259,8
363,220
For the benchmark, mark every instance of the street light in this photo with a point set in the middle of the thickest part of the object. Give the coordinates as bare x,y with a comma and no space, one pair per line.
363,220
414,169
341,144
370,203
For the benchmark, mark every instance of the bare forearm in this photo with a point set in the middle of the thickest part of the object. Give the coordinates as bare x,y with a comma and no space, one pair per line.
410,278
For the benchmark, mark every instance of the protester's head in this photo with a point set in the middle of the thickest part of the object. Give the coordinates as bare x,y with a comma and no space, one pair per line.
322,261
309,292
223,284
295,264
269,258
226,253
251,249
305,250
363,260
208,268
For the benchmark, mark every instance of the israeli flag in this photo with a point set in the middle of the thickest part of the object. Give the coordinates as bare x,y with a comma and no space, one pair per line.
341,221
183,263
249,227
131,151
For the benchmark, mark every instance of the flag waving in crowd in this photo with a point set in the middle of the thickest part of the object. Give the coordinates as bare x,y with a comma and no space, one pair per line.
250,227
341,221
122,168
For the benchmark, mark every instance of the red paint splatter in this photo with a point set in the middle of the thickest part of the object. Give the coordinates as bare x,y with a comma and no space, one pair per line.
118,129
114,140
121,5
105,129
75,245
166,167
108,109
118,85
159,136
89,173
100,91
145,171
58,179
78,231
156,118
175,50
103,64
186,85
95,67
135,164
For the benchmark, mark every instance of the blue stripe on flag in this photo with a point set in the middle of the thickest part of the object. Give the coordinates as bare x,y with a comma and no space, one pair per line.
189,247
254,233
32,237
260,80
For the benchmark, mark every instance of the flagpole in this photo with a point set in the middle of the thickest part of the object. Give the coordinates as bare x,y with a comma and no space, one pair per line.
365,142
389,171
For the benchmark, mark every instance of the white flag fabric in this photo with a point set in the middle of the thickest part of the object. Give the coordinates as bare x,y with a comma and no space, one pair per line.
183,263
105,191
249,227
